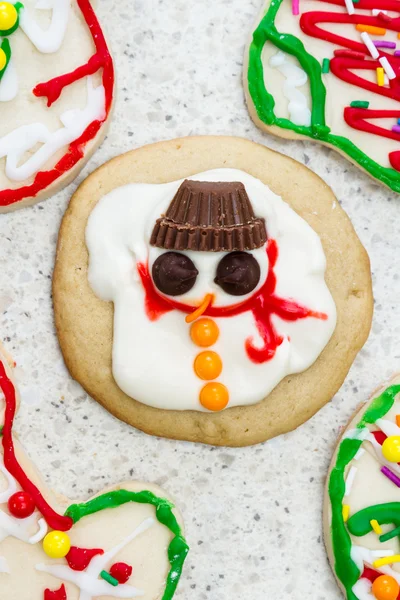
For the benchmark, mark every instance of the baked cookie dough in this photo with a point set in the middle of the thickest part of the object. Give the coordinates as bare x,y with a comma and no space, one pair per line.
362,501
202,310
329,71
123,543
56,95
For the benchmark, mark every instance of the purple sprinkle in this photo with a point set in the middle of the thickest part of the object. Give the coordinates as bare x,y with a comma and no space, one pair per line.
396,53
396,128
390,475
383,44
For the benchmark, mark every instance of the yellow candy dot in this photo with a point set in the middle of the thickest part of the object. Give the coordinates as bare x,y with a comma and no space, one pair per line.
8,16
56,544
214,396
3,59
204,332
208,365
391,448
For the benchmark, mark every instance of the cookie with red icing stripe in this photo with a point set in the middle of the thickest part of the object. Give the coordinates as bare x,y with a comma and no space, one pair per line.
56,95
201,293
126,542
329,70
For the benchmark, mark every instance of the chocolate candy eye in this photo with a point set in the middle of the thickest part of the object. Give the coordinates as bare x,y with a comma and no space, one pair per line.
174,274
238,273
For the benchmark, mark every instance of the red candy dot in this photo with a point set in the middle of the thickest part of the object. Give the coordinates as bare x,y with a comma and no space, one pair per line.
121,572
21,505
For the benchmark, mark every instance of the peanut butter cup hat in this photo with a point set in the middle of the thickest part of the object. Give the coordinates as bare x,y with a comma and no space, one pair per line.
210,217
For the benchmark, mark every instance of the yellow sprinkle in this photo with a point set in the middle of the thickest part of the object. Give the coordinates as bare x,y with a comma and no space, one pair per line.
371,29
345,512
376,527
386,560
380,76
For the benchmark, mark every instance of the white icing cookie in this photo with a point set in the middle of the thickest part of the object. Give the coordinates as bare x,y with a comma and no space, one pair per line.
56,94
329,70
298,310
362,504
126,542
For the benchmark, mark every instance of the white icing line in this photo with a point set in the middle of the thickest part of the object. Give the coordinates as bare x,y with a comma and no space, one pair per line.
368,42
388,427
387,67
362,589
299,111
12,486
381,553
49,40
34,539
350,480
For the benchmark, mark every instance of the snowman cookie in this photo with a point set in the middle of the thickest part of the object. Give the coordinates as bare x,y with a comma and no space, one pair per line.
362,503
329,70
56,94
191,292
124,543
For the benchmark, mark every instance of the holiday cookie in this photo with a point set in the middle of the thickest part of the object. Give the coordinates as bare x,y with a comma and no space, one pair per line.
56,94
362,503
329,70
123,543
190,295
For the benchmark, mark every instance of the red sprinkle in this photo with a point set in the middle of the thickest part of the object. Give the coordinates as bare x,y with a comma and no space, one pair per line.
379,436
60,594
121,572
21,505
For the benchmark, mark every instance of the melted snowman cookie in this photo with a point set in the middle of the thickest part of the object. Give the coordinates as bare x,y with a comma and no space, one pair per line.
329,70
124,543
56,94
218,290
362,504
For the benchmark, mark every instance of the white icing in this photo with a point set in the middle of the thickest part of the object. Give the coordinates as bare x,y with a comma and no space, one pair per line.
350,480
362,589
9,83
357,434
153,360
11,485
34,539
359,454
14,145
49,40
87,581
18,528
4,566
296,77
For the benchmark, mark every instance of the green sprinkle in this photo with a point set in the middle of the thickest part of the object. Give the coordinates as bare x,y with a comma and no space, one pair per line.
1,430
389,535
359,104
325,65
109,578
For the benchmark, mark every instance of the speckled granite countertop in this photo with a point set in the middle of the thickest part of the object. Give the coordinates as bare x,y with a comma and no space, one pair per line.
253,515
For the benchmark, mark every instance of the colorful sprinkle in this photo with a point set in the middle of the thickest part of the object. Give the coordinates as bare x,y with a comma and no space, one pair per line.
376,527
380,76
371,29
359,104
396,129
390,475
349,6
350,480
398,416
370,45
107,577
383,44
390,535
295,7
396,53
345,512
385,587
386,560
325,65
387,67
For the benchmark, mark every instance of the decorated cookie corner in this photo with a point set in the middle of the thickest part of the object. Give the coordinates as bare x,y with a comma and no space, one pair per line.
329,70
124,543
362,508
56,94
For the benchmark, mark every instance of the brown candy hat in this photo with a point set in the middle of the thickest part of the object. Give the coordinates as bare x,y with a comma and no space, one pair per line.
210,217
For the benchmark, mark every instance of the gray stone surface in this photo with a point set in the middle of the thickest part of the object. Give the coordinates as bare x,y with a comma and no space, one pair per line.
253,515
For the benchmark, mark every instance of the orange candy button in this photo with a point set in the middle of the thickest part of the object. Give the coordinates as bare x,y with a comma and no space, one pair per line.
204,332
208,365
385,587
214,396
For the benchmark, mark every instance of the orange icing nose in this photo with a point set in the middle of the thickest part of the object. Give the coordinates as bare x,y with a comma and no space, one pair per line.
214,396
204,332
208,298
208,365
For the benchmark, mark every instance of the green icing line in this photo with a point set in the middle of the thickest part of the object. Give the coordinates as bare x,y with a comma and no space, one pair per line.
345,568
264,102
359,524
325,65
177,549
389,535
